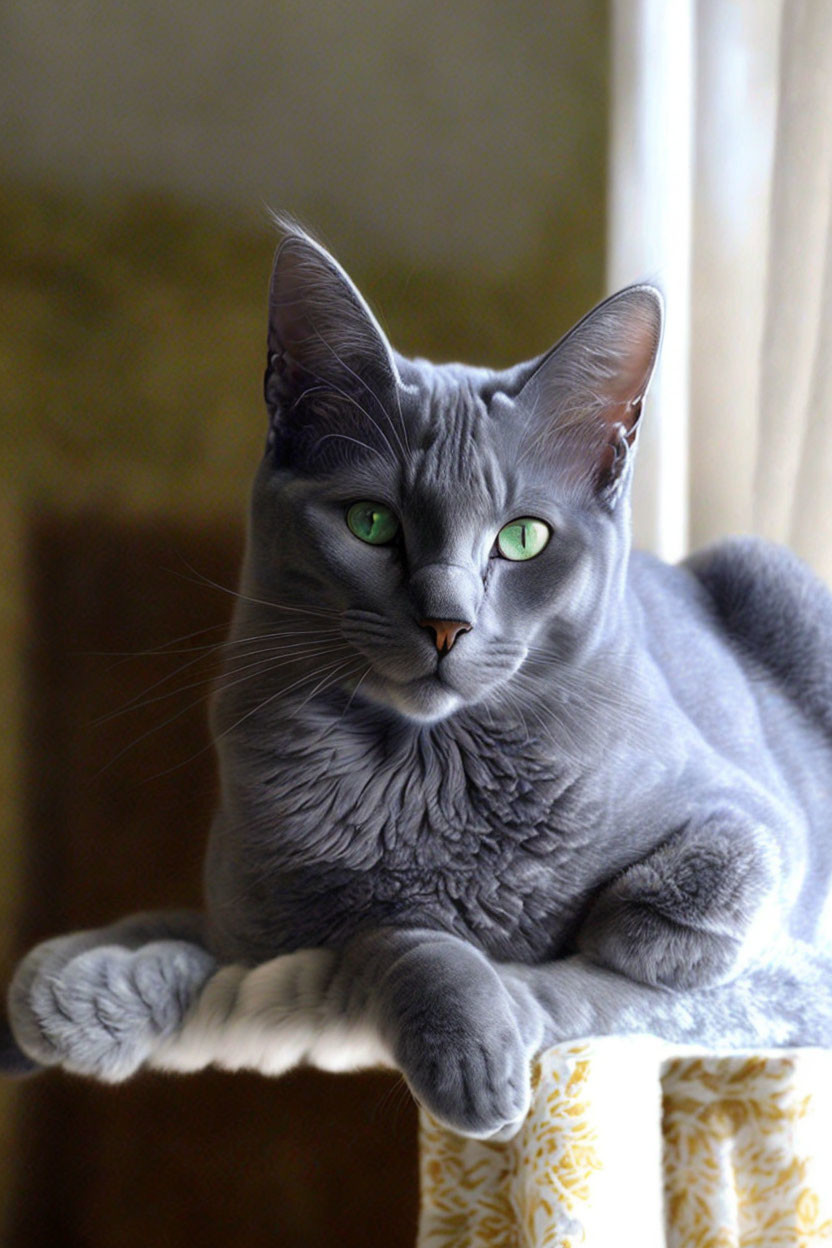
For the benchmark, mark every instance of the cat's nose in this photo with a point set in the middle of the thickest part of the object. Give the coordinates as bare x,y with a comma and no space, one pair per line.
448,594
445,632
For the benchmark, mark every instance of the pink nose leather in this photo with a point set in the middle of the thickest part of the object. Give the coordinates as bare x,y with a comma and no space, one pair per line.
445,632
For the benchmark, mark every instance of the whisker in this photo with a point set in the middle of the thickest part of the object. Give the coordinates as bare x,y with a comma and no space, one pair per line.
123,655
364,674
326,682
142,701
402,424
323,735
204,652
546,729
138,740
393,1100
196,702
325,612
329,388
261,706
509,699
587,691
562,721
137,699
161,651
343,437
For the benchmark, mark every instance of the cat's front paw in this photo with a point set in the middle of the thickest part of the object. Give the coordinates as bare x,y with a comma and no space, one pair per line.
684,917
102,1011
460,1044
475,1082
644,945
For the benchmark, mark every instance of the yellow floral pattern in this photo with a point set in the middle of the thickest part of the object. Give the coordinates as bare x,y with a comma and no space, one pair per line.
630,1141
745,1161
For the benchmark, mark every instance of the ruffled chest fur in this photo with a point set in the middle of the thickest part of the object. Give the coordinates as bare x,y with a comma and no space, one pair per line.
480,829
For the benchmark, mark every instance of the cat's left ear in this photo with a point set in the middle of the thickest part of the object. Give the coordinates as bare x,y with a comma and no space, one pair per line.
584,400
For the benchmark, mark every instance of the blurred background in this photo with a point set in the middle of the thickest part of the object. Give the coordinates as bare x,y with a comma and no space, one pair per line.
485,172
454,159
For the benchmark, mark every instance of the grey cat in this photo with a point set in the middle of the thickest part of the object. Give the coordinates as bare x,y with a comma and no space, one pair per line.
489,780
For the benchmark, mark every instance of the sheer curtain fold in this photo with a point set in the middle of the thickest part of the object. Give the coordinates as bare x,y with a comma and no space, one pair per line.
649,223
756,445
736,107
793,480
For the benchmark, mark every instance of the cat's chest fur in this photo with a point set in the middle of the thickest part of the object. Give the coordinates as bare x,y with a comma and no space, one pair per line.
478,828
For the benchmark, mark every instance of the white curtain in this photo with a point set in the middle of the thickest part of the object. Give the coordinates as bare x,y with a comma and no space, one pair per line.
736,109
793,481
752,265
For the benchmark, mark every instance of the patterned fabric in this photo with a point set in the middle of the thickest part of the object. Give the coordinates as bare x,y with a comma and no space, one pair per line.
630,1141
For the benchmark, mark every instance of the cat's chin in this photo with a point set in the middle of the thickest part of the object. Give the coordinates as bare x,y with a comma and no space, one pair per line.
425,700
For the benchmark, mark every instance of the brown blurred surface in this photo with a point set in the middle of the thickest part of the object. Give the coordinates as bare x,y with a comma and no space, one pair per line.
115,820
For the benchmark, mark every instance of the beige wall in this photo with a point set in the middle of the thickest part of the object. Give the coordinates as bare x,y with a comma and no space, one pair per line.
444,132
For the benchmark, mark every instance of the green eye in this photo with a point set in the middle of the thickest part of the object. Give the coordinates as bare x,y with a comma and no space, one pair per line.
372,522
523,538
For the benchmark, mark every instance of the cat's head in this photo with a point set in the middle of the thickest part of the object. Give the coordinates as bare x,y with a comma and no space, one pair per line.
450,519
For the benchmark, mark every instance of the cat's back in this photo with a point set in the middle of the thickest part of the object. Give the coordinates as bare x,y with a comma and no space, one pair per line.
741,609
742,633
775,610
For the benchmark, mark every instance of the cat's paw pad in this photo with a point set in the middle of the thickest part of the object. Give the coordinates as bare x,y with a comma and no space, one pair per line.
102,1012
477,1084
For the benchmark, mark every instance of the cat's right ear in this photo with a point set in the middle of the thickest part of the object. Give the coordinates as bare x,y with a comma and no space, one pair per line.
327,353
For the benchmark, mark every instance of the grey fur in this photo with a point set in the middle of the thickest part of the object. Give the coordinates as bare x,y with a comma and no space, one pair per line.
99,1002
605,809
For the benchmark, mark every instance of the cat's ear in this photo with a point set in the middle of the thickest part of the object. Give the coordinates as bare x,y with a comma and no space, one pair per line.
584,399
326,351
